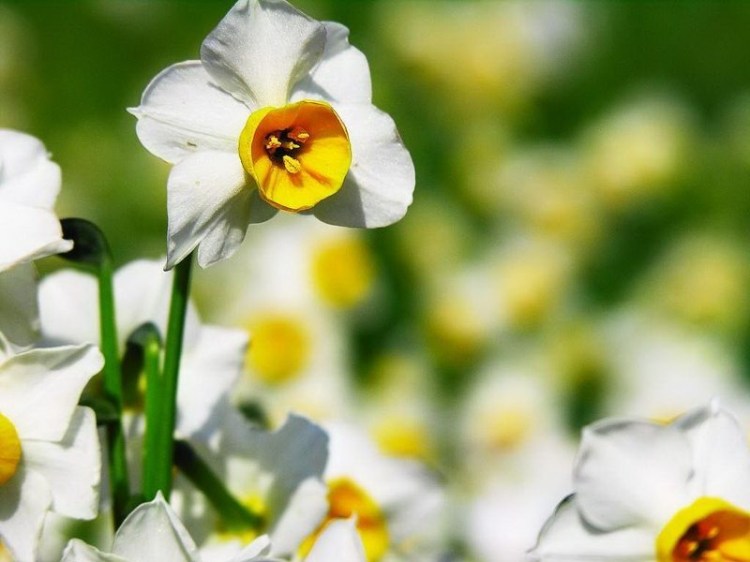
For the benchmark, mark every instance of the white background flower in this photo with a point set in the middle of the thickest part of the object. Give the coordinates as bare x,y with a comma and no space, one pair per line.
265,53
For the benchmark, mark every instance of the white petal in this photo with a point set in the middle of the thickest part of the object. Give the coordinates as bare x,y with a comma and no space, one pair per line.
72,466
78,551
23,502
303,513
211,201
632,473
259,547
69,307
339,541
19,316
378,189
182,111
261,49
152,533
721,459
27,175
342,75
28,233
567,538
40,388
208,371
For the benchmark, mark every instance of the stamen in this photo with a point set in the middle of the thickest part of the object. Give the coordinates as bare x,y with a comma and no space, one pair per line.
272,143
299,134
292,165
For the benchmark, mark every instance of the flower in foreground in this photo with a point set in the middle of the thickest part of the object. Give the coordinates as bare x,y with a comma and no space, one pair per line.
650,492
29,184
276,115
49,447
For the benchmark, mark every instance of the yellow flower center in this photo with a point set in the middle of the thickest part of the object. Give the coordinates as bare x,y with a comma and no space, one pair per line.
506,429
10,450
708,530
279,348
255,505
402,436
298,154
345,498
343,271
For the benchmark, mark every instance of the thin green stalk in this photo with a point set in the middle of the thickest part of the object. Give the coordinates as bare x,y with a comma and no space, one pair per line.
158,471
235,516
154,401
113,390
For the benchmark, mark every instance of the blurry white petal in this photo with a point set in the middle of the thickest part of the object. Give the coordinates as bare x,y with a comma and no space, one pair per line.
152,533
342,74
69,307
72,466
379,186
567,538
211,201
19,316
305,510
339,541
261,49
28,233
23,502
632,473
259,547
40,388
27,175
182,111
78,551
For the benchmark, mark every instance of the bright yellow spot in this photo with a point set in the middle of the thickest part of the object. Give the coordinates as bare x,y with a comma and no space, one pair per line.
279,348
708,530
345,498
4,554
10,450
403,437
298,154
343,271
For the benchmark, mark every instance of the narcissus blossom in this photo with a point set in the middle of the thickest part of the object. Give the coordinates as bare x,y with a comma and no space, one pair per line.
276,115
49,447
29,184
656,493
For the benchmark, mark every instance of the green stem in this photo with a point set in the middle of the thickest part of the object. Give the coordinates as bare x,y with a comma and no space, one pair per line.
158,471
118,474
234,515
154,399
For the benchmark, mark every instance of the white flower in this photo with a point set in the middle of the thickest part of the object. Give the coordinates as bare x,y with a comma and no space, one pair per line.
213,356
29,184
49,447
277,114
648,492
19,314
153,533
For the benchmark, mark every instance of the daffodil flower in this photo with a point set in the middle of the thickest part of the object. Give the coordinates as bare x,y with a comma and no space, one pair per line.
49,447
276,115
650,492
29,184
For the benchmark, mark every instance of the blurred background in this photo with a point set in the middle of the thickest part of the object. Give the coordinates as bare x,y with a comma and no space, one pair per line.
577,246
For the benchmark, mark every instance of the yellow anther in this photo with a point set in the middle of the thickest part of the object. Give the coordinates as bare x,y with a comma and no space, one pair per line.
10,450
299,134
272,143
292,165
290,145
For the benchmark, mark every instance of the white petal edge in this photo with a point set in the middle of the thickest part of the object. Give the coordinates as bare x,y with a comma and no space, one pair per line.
72,467
261,49
339,541
302,515
40,388
182,112
27,175
380,184
342,75
28,233
23,502
566,538
210,203
153,533
78,551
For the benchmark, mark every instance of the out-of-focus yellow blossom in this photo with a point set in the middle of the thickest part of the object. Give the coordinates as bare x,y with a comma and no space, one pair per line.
530,281
702,279
484,53
639,151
